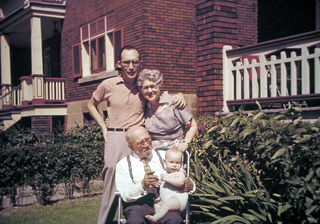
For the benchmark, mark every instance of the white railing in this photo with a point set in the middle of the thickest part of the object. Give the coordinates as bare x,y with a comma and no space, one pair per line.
54,89
16,96
284,67
10,96
54,92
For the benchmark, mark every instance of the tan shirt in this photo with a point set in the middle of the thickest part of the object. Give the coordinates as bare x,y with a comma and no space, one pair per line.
125,106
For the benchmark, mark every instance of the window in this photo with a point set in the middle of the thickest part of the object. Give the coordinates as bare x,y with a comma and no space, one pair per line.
76,61
98,56
87,119
99,47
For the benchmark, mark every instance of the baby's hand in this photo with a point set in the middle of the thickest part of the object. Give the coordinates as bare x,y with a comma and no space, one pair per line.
163,177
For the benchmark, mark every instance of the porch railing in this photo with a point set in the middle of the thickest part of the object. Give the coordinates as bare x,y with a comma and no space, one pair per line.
43,90
16,96
54,89
278,69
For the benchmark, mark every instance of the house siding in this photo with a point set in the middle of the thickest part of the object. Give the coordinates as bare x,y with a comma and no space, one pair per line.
183,39
163,31
41,123
219,23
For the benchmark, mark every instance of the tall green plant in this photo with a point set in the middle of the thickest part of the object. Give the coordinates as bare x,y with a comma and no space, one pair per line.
283,147
229,193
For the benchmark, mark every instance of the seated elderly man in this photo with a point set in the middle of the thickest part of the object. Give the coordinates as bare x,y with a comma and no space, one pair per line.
139,188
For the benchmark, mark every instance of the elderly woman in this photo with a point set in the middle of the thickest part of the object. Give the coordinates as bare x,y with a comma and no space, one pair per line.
164,122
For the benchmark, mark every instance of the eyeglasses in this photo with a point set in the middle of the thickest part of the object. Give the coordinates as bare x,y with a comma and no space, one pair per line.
152,87
127,63
143,141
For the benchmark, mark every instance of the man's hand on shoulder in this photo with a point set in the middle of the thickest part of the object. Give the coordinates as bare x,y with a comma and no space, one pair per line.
178,101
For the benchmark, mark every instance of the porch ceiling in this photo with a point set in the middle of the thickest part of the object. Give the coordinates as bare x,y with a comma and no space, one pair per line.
17,25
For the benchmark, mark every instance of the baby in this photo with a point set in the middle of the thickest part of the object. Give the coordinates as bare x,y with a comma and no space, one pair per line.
173,190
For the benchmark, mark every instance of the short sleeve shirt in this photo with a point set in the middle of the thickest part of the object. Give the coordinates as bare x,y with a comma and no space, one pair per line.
125,106
169,123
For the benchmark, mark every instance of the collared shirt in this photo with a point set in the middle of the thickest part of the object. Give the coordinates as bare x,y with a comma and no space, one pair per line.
132,191
125,105
169,123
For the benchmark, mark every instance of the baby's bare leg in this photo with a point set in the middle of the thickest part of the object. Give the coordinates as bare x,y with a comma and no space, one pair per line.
165,207
157,204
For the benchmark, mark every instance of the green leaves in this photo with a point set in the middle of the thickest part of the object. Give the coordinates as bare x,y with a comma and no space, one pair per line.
73,158
228,193
263,167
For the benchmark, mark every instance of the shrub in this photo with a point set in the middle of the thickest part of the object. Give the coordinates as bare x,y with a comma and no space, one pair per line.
230,193
42,162
285,151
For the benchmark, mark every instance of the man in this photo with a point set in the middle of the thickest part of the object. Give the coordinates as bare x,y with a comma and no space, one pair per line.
137,190
125,109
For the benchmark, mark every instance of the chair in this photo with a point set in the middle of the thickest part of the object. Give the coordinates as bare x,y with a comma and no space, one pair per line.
187,211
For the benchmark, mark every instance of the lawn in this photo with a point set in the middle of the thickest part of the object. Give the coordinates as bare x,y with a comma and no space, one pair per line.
80,211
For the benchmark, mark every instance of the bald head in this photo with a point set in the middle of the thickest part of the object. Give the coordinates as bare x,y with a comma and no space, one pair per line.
139,141
135,131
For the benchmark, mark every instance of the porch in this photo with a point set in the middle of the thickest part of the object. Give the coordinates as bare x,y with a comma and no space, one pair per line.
31,87
274,73
36,96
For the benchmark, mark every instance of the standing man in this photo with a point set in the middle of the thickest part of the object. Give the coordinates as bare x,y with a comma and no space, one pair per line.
125,109
137,183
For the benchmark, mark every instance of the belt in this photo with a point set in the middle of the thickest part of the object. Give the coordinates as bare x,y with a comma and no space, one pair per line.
117,129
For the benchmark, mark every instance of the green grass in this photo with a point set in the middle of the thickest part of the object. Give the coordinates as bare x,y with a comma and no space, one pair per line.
84,211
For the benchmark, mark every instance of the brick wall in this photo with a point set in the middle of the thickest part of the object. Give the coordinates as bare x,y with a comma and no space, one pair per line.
41,124
169,43
219,23
183,39
163,31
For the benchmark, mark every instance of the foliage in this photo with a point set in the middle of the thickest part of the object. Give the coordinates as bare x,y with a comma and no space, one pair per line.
46,161
286,153
230,193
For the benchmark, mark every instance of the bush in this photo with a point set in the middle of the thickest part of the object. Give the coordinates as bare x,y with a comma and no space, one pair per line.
42,162
286,153
230,193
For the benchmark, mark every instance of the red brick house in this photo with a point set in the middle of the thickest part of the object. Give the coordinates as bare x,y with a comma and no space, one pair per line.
68,47
163,31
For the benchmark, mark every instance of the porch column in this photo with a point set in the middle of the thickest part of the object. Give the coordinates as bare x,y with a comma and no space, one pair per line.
36,46
38,89
36,61
6,85
26,90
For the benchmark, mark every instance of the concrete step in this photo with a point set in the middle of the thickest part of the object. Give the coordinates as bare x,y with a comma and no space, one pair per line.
9,117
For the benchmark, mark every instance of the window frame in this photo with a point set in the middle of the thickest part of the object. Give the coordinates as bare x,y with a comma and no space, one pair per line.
98,47
79,61
97,68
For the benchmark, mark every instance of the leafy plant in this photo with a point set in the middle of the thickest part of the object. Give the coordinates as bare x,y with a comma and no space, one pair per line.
42,162
230,193
283,147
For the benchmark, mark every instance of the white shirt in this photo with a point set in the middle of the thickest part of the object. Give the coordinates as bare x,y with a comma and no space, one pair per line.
132,191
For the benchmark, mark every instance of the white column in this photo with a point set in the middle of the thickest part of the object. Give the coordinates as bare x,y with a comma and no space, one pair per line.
36,46
5,61
5,85
228,79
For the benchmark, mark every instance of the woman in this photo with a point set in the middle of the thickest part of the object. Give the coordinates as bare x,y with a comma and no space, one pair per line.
164,122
